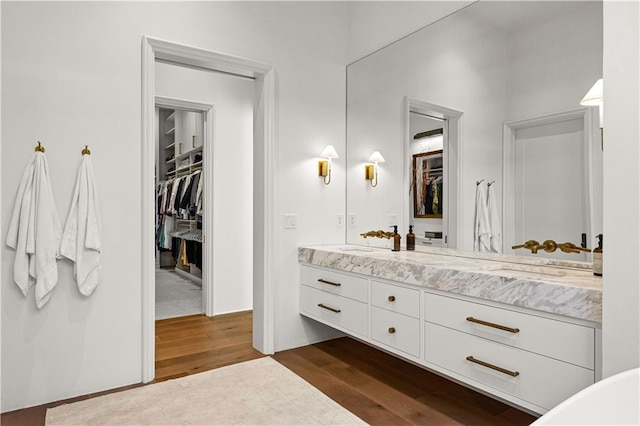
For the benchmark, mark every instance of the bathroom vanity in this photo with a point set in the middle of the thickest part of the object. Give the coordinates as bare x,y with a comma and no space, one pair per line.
528,333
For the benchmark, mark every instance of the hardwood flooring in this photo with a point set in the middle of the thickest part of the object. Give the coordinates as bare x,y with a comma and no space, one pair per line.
384,390
378,388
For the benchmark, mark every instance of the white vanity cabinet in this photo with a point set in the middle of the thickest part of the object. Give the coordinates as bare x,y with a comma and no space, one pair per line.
540,360
530,358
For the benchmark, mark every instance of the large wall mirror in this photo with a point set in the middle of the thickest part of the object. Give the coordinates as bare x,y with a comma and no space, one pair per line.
489,94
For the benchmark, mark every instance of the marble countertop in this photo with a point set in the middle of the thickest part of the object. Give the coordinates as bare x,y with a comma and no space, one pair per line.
572,292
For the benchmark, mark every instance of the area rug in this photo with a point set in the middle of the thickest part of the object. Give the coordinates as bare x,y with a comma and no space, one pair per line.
257,392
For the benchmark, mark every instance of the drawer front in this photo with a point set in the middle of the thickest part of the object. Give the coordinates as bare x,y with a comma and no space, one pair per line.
334,309
560,340
396,330
335,282
395,298
542,381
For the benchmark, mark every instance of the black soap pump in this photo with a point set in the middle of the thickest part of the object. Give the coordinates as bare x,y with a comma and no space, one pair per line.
396,239
411,239
597,257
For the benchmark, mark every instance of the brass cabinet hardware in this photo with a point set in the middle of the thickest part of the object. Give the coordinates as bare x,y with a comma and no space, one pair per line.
493,367
391,298
493,325
528,245
39,148
337,311
392,330
328,282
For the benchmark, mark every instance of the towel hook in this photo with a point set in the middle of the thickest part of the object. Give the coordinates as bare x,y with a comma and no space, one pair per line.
39,148
478,182
86,151
491,183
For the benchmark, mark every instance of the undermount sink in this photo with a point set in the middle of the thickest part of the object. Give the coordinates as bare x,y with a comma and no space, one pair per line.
354,248
532,271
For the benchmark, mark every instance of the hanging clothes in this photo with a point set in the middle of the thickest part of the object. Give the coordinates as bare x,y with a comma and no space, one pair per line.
481,229
35,231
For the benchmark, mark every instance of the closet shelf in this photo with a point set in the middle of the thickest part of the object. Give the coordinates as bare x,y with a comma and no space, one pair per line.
191,151
170,117
173,160
170,131
170,146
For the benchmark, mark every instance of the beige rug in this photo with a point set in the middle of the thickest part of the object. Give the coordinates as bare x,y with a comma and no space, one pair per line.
258,392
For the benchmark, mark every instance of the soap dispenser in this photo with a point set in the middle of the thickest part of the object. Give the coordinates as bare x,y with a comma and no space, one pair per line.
396,239
597,257
411,239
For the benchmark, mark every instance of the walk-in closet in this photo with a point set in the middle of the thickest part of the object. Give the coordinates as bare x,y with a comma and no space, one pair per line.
179,212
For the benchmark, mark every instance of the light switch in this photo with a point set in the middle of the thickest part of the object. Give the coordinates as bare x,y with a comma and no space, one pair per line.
290,221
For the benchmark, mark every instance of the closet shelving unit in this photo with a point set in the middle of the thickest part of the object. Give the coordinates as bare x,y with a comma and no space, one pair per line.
181,137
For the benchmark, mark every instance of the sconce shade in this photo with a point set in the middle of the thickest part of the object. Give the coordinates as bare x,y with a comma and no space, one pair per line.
329,152
376,157
594,96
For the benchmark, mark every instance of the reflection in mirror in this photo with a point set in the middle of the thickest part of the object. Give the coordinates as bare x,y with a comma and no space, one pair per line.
427,177
495,63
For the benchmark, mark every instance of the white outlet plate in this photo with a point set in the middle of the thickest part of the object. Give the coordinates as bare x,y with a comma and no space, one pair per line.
352,220
290,221
340,220
392,219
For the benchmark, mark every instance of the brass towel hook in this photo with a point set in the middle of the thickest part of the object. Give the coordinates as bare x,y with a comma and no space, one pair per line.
86,151
39,148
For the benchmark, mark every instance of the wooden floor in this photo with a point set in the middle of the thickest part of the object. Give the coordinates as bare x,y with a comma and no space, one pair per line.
378,388
384,390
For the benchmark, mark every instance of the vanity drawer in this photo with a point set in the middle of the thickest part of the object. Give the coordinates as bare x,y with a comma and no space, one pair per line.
557,339
335,282
395,298
334,309
396,330
540,380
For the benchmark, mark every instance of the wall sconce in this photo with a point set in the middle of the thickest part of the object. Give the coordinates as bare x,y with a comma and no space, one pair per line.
324,166
595,97
371,170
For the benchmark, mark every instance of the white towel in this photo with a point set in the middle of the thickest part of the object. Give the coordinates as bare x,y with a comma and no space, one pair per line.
34,231
481,229
81,241
495,229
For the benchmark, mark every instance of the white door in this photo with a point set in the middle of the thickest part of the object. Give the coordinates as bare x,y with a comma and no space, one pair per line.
551,186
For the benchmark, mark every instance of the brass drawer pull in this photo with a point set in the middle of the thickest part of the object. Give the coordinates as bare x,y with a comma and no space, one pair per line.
391,298
329,282
392,330
337,311
490,324
493,367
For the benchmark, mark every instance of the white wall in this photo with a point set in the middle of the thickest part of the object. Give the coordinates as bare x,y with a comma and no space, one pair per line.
72,76
232,242
621,275
375,24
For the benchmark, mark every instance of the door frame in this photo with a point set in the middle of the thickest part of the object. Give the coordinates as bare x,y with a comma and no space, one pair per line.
264,185
589,118
208,150
452,155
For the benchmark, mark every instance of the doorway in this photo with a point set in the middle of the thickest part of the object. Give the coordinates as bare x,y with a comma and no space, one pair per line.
262,163
180,176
